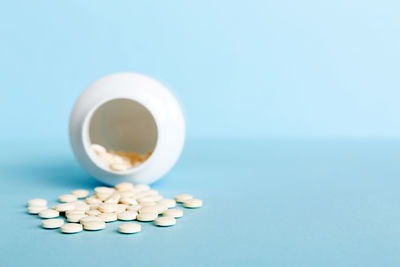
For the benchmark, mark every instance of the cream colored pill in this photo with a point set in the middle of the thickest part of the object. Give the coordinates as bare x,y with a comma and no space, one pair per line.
70,212
134,208
183,197
157,198
75,217
124,186
67,198
86,219
103,190
119,166
128,201
37,202
193,203
93,200
165,221
108,207
52,223
129,228
142,187
113,198
149,209
93,212
36,209
173,213
121,208
127,194
64,207
146,217
80,193
71,228
94,225
127,215
170,203
98,149
147,203
108,217
47,214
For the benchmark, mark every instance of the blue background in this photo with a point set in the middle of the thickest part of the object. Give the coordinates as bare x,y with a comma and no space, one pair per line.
292,117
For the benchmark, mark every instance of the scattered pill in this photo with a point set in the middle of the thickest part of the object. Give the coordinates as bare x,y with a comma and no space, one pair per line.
129,228
113,198
67,198
127,215
119,166
147,203
108,217
165,221
93,200
124,186
70,212
94,225
170,203
134,208
64,207
48,214
37,202
80,193
71,228
128,201
173,213
103,190
93,212
108,207
193,203
86,219
142,187
183,197
98,149
52,223
36,209
146,217
75,217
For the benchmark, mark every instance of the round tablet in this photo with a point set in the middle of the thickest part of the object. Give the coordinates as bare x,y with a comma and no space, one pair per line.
128,201
108,207
183,197
64,207
47,214
147,203
124,186
80,193
103,190
71,228
93,212
129,228
86,219
75,217
165,221
94,225
173,213
193,203
93,200
121,208
134,208
98,149
70,212
142,187
146,217
37,202
67,198
108,216
52,223
170,203
36,209
127,215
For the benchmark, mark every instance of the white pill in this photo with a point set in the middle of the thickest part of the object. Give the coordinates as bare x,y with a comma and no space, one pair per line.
103,190
121,208
145,199
70,212
47,214
108,207
93,212
71,228
165,221
148,193
147,203
128,194
169,203
193,203
108,217
94,207
93,200
36,209
173,213
149,209
142,187
98,149
80,193
103,196
116,166
107,158
129,228
128,201
183,197
52,223
94,225
75,217
134,208
157,198
67,198
127,215
160,208
37,202
124,186
86,219
64,207
113,198
146,217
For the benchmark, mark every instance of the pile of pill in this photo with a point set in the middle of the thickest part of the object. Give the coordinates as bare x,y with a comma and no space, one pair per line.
119,161
124,202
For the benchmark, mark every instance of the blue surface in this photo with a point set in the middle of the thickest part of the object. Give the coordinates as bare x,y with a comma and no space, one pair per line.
263,68
266,203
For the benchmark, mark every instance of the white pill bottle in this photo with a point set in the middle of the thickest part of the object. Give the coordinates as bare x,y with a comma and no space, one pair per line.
127,112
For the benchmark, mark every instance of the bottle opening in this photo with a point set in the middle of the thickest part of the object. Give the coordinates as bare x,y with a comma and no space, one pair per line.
126,130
